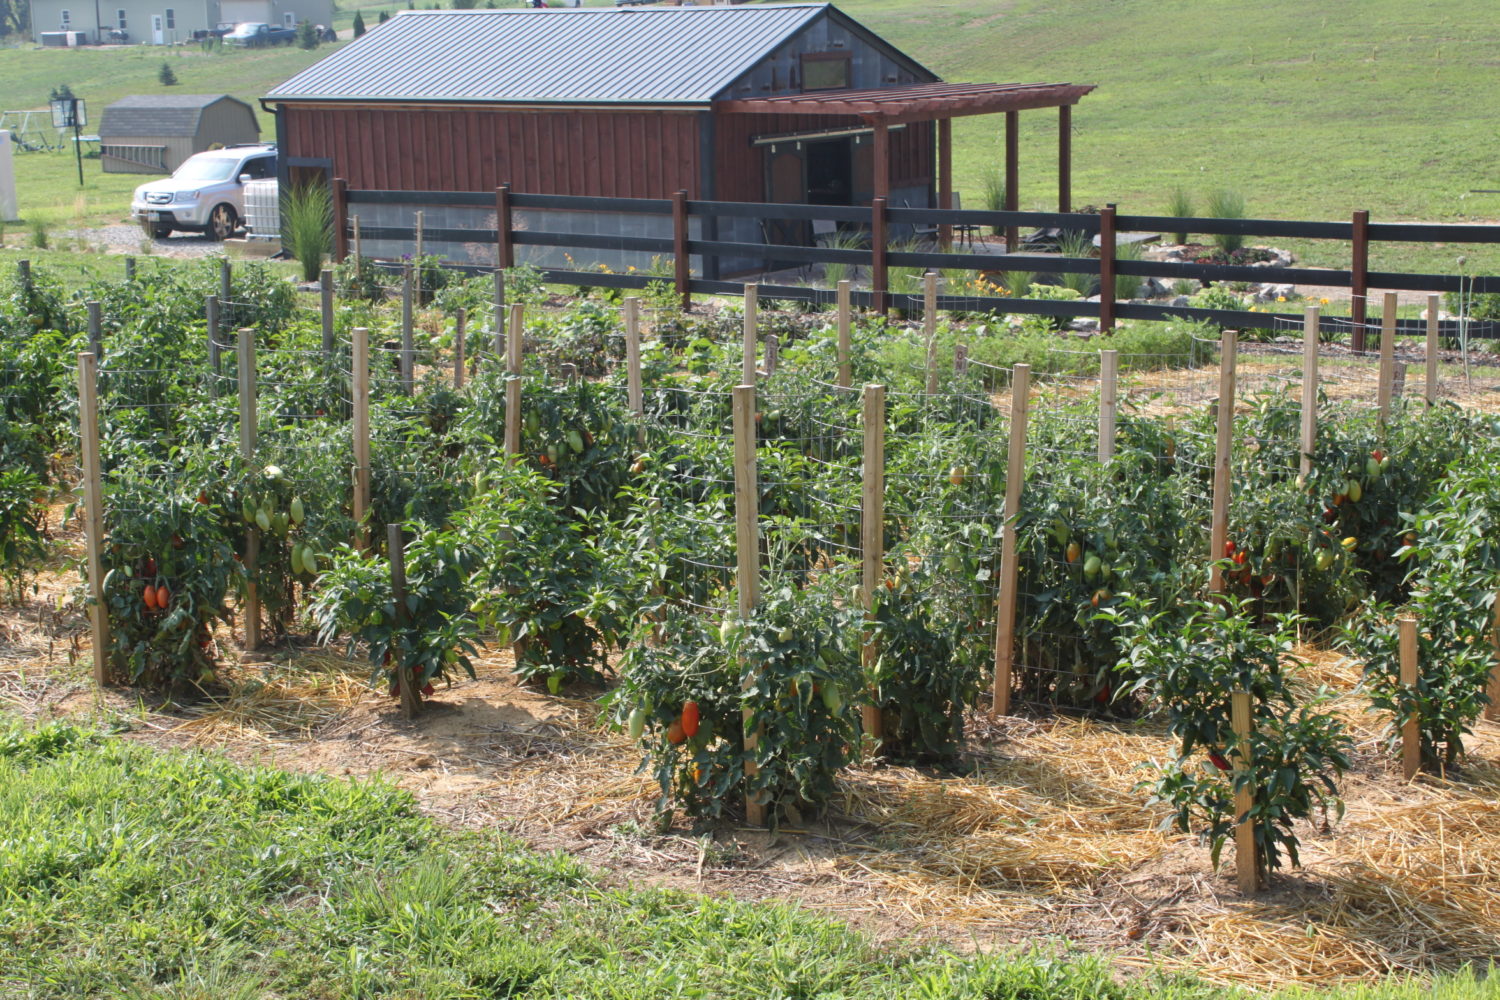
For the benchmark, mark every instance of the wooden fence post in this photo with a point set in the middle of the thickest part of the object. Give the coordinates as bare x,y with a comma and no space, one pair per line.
340,213
1411,737
96,329
1429,389
752,322
773,353
1219,527
93,514
129,269
1015,473
1387,356
1309,387
1246,859
408,349
1492,710
505,250
396,548
1109,406
513,383
500,313
845,322
226,283
681,264
1359,270
246,351
460,337
23,274
215,346
747,552
325,297
1107,251
417,227
872,538
360,393
960,360
633,394
879,274
929,327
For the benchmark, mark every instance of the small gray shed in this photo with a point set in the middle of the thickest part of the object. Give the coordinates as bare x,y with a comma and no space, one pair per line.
154,133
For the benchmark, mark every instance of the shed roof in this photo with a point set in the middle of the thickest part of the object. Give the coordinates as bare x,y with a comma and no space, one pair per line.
161,114
598,55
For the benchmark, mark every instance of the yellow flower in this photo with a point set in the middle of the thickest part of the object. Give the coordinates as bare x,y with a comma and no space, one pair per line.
1281,298
1324,301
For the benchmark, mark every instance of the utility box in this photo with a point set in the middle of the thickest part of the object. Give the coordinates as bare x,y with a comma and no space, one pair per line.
262,210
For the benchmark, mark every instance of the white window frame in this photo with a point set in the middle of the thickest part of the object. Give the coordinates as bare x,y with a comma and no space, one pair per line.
288,19
120,18
67,19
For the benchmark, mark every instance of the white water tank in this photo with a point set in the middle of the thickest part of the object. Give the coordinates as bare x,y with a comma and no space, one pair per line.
262,210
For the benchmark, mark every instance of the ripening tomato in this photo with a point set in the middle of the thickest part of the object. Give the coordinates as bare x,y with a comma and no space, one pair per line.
675,735
1241,557
690,719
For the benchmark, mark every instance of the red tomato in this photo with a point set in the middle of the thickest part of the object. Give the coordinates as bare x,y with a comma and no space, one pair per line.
690,719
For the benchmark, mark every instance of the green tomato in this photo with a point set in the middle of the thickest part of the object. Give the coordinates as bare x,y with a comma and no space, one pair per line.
635,725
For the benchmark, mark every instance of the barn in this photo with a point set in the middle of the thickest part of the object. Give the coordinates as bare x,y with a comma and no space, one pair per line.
793,103
153,134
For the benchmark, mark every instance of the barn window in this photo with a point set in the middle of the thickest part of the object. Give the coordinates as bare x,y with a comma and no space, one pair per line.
120,18
825,70
171,19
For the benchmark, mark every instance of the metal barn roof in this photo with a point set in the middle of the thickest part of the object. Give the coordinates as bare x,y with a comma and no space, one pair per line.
599,55
160,114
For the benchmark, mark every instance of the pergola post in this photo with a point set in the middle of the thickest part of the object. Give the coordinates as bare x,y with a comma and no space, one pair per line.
1065,158
945,179
878,231
1012,173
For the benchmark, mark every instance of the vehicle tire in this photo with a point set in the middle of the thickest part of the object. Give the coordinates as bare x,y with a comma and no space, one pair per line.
155,230
222,222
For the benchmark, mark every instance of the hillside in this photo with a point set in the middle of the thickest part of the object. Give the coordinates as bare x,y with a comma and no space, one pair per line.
1377,104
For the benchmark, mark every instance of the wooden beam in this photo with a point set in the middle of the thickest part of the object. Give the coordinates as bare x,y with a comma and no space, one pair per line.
1065,158
1012,173
1107,250
945,178
1359,269
505,250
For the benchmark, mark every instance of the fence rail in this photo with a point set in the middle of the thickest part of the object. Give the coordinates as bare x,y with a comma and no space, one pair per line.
876,256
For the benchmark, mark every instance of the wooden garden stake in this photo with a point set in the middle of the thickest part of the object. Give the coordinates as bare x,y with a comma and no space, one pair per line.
1430,387
1398,380
407,691
960,360
1411,737
408,350
682,273
1492,710
96,330
129,269
499,314
752,308
747,552
1387,355
929,327
325,297
359,262
23,274
773,353
1015,472
1219,528
361,399
93,515
460,336
1109,406
633,394
1246,861
418,228
211,314
246,348
226,282
513,383
846,368
1309,387
872,536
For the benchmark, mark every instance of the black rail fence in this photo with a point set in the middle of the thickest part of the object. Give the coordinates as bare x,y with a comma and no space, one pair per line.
496,223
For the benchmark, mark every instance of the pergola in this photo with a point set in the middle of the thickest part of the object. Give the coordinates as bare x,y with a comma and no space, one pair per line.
941,102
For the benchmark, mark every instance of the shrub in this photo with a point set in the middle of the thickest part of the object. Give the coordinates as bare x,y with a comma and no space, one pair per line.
307,38
307,226
1186,660
1475,305
1180,204
1225,204
1080,245
40,234
358,27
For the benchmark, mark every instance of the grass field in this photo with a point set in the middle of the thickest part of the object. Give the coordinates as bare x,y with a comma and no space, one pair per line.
129,872
1309,113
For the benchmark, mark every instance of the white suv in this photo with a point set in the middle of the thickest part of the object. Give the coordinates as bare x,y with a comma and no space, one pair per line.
205,194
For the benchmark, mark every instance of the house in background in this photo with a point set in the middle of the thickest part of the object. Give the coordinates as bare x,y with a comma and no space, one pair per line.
792,103
154,133
167,22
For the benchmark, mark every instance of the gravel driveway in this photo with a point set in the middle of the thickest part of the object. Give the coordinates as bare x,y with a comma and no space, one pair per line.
126,239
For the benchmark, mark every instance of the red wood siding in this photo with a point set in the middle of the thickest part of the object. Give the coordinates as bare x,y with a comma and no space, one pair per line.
603,154
741,166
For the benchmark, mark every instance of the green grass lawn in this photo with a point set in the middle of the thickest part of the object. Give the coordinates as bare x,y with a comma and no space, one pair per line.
130,873
1310,112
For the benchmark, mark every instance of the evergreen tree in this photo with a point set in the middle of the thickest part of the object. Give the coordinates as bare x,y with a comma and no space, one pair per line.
384,17
165,76
307,38
359,24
